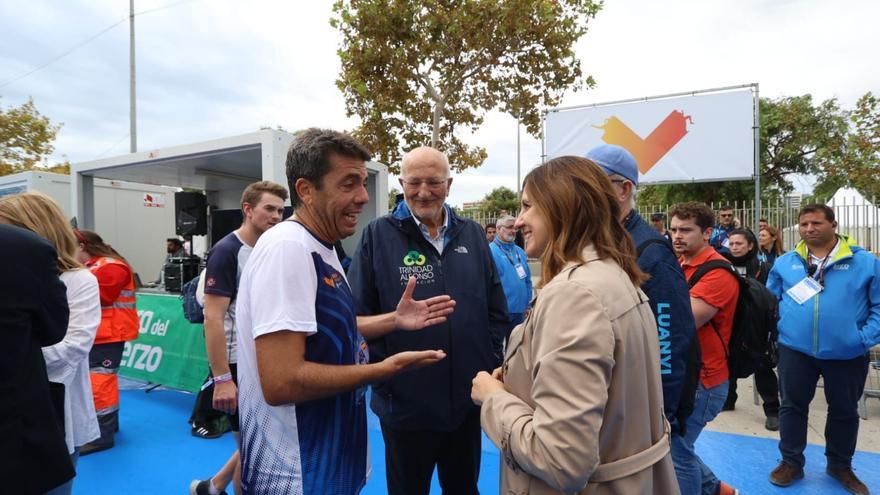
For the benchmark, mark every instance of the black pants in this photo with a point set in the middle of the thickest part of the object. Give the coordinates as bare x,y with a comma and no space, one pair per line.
768,389
844,381
410,457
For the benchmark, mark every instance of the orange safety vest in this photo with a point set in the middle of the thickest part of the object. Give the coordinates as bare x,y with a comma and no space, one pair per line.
119,320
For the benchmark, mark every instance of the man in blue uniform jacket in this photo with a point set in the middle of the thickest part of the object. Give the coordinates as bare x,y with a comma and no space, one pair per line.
829,307
427,416
667,289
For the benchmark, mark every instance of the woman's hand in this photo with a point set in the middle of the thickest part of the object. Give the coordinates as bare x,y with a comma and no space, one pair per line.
498,374
484,385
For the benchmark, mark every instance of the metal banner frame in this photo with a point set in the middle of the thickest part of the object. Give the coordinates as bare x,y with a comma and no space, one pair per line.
756,131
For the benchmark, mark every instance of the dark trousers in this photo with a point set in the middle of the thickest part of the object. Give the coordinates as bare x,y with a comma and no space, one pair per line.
844,381
768,389
410,457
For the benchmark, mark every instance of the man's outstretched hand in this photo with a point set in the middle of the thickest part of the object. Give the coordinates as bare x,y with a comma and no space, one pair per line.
414,315
410,360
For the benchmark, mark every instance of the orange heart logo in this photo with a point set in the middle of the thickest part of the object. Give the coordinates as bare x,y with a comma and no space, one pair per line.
650,150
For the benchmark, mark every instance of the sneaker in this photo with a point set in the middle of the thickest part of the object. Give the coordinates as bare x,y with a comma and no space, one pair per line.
202,487
785,474
772,423
728,406
848,479
204,431
725,489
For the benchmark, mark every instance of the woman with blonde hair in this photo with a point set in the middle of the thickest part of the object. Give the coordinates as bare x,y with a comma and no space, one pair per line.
577,406
67,361
770,242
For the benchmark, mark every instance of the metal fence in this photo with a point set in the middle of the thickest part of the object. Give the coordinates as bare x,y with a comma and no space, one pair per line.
857,218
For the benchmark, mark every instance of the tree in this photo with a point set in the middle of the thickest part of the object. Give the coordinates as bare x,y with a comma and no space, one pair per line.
419,72
392,198
796,137
26,139
860,164
500,198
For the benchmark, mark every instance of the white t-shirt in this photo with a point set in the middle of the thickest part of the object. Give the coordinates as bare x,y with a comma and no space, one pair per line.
67,362
293,282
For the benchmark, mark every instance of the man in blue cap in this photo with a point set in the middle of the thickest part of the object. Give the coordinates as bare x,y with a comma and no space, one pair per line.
667,289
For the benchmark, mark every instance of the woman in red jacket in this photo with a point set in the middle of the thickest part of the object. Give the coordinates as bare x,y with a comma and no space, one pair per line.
119,323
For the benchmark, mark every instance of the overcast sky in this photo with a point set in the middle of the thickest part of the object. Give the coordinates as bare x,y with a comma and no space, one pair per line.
209,69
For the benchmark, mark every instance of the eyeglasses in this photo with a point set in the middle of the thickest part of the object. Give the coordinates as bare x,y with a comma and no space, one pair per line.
431,183
508,227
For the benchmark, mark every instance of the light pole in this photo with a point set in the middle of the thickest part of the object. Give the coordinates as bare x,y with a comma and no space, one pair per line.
131,96
518,187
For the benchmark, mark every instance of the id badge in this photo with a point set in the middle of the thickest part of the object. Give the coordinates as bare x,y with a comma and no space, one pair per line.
804,290
520,270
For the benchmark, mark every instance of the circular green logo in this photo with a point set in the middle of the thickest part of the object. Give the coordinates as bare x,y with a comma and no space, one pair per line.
414,258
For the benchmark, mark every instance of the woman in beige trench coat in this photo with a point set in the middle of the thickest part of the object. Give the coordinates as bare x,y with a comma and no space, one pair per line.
577,406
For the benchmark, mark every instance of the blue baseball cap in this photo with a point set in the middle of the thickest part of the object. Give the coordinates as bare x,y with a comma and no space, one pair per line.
615,160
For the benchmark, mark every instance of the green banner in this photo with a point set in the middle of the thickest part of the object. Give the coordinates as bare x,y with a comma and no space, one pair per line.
169,350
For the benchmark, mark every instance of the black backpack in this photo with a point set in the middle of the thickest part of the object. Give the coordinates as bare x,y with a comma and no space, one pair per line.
754,322
192,310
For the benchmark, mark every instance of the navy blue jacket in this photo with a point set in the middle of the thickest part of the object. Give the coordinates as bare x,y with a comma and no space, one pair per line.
670,301
392,248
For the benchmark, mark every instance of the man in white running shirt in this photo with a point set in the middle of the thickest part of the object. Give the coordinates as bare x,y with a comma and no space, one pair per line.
302,358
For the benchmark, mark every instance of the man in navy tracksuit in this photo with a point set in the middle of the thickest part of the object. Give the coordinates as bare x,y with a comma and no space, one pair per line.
427,416
667,289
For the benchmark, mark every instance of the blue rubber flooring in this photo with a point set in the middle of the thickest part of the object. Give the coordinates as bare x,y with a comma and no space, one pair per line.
155,454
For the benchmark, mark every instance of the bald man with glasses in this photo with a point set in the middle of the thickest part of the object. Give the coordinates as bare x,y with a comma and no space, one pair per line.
513,269
428,419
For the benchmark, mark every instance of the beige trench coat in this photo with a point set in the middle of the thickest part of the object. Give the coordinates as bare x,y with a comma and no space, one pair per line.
582,409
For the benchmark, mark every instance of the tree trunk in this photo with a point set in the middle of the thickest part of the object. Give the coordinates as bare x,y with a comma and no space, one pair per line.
435,132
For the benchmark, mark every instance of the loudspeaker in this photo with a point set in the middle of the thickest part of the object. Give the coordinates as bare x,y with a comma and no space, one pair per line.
179,271
191,213
223,222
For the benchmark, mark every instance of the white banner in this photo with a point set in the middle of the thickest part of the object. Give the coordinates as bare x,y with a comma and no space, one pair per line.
702,137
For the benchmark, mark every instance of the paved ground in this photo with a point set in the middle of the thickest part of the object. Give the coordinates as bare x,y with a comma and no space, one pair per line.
748,419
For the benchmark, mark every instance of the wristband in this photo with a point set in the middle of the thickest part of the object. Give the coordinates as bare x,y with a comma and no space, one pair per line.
225,377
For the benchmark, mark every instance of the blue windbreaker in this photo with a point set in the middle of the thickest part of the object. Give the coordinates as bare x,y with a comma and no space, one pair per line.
518,290
392,248
720,238
842,321
670,301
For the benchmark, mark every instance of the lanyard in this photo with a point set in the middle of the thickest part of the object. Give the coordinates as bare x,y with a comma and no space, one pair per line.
507,255
818,272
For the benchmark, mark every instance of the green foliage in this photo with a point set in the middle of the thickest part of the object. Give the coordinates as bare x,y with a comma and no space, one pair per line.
839,147
860,166
26,139
419,72
392,198
500,198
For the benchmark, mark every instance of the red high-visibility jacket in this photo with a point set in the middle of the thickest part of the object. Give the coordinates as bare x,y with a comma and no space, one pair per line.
119,318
